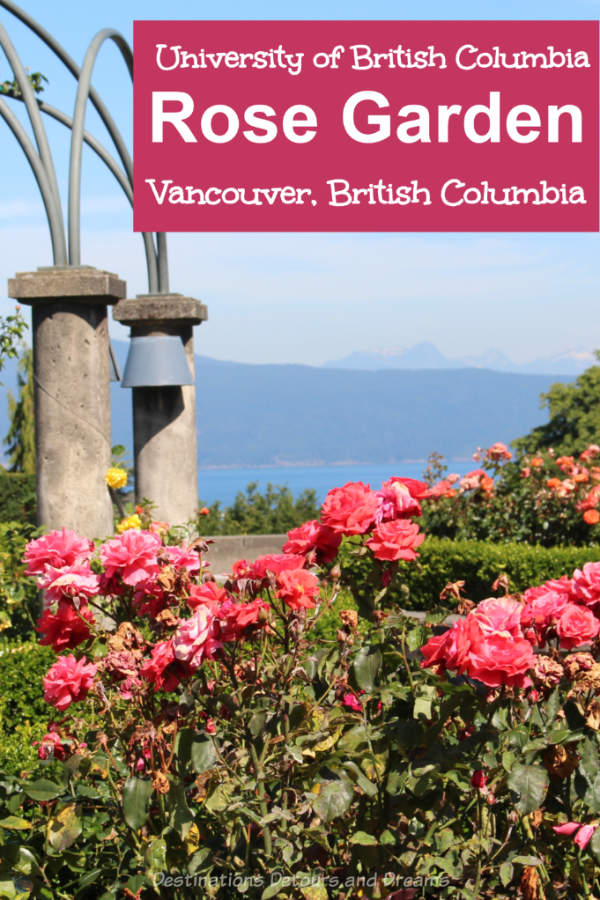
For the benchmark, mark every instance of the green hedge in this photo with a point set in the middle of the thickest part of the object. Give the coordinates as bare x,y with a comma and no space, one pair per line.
17,497
24,714
478,564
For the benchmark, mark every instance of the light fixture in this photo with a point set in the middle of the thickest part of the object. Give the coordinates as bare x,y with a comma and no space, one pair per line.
156,361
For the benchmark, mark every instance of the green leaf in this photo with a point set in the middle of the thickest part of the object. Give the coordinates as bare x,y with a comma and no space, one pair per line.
42,789
527,860
155,856
506,873
359,778
181,815
552,706
316,891
195,751
136,799
271,891
64,827
366,666
531,784
592,795
595,844
15,822
334,799
221,797
256,725
364,839
118,450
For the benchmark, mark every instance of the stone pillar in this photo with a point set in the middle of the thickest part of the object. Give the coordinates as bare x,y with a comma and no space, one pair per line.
164,418
71,393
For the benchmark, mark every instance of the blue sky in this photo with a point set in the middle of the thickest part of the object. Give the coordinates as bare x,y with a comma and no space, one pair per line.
306,298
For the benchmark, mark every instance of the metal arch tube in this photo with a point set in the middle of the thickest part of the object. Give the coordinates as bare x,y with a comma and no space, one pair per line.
83,90
95,145
111,127
39,132
53,212
74,69
121,177
163,262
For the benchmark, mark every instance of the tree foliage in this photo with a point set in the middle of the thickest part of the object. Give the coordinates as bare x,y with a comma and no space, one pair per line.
20,439
574,416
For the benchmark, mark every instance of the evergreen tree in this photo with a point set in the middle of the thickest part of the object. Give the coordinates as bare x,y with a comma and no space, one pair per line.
20,439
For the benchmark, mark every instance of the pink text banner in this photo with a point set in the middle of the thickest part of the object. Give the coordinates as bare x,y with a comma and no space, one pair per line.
366,126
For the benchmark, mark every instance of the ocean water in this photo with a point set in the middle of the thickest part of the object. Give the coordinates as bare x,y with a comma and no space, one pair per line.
224,484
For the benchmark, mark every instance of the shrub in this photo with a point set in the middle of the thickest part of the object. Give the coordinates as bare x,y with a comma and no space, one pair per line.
18,596
273,512
24,713
210,740
477,563
17,497
544,499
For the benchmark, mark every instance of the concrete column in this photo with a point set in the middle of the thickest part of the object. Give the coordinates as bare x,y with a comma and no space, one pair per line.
164,418
71,393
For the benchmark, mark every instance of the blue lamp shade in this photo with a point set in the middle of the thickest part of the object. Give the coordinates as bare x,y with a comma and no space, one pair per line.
157,361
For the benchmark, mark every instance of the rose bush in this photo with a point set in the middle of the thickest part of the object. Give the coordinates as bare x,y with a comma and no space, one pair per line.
544,499
203,742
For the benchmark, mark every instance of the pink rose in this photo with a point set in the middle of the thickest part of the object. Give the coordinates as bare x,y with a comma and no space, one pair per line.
350,509
499,614
132,555
195,640
68,681
582,833
396,540
397,498
183,558
352,702
577,625
69,581
57,549
586,584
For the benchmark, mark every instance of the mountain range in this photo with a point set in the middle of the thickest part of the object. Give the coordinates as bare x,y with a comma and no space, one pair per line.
251,415
426,355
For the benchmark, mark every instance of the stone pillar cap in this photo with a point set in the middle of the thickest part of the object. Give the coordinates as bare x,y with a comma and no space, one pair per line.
84,284
148,309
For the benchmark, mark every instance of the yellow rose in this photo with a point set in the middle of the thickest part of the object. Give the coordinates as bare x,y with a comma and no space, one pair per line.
116,477
133,521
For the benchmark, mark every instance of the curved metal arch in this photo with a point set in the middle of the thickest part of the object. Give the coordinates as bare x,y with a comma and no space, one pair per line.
41,139
53,213
120,176
156,256
83,91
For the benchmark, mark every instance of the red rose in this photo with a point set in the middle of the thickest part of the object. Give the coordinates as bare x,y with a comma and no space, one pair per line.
576,625
273,564
298,589
350,509
396,540
498,658
65,629
478,778
313,536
